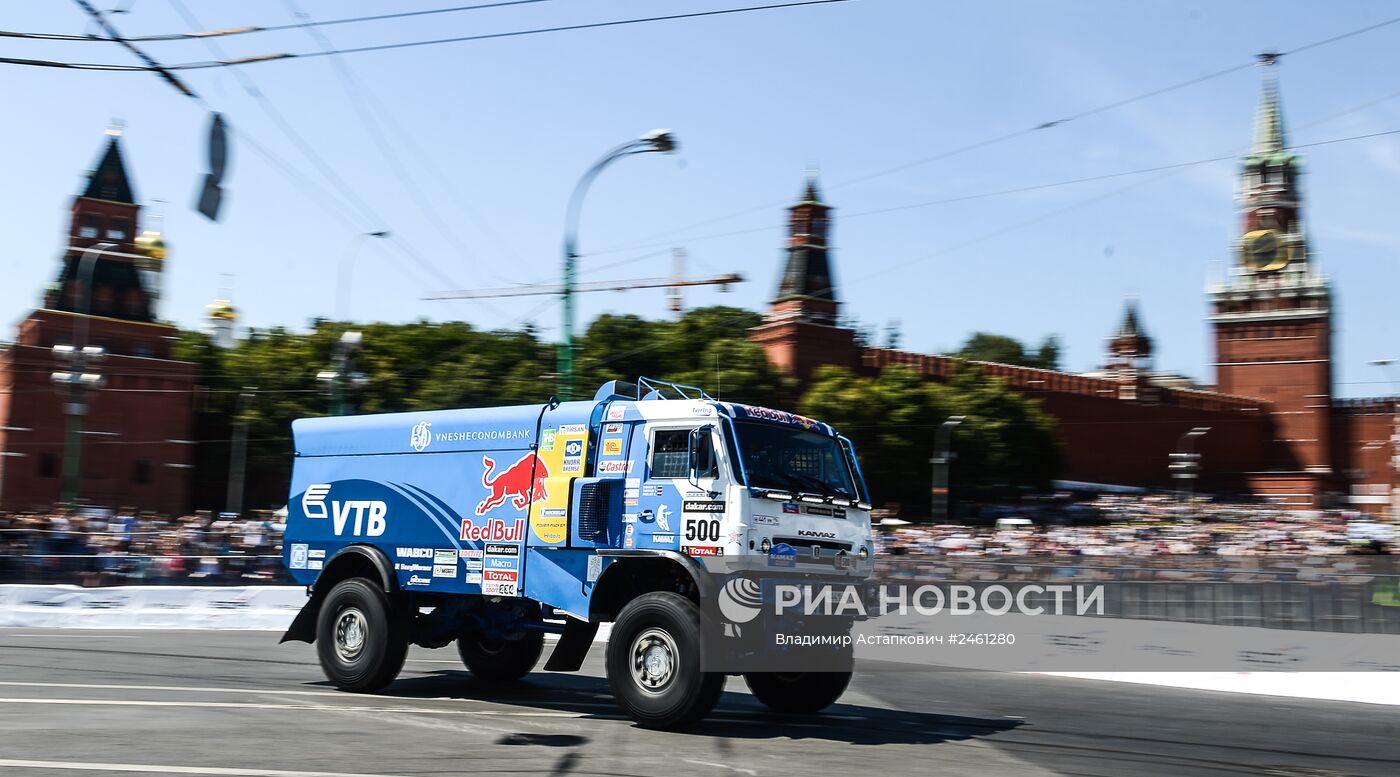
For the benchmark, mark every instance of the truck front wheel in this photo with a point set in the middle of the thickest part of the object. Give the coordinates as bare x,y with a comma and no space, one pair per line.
797,692
653,661
360,642
501,660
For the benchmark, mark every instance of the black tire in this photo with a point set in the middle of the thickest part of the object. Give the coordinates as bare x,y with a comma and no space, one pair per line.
667,625
372,644
799,693
501,660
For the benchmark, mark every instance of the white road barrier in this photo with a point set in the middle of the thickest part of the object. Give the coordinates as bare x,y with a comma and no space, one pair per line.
150,607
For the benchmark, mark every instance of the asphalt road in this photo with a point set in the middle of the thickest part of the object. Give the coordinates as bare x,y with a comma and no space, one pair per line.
237,703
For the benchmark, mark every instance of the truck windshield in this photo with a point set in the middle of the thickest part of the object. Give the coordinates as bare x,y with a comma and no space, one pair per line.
789,459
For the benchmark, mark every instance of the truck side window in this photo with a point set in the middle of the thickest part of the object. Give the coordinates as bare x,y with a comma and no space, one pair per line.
668,457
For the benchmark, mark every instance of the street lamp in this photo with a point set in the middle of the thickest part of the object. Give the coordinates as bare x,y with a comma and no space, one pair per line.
238,453
78,379
656,141
942,458
342,372
1389,366
342,289
1186,462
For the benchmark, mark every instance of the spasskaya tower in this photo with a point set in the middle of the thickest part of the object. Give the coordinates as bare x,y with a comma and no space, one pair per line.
1272,314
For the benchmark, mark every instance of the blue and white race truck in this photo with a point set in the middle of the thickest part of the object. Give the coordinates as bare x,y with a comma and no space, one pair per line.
495,526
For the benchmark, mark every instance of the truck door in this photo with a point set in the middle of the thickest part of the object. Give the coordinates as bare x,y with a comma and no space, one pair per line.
673,510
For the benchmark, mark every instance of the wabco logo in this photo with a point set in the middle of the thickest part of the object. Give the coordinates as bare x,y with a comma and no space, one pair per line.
822,534
369,514
420,438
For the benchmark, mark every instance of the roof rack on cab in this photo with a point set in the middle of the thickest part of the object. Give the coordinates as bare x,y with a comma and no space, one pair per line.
648,388
654,389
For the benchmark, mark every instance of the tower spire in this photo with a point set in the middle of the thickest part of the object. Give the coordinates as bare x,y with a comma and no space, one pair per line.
108,180
807,273
1269,136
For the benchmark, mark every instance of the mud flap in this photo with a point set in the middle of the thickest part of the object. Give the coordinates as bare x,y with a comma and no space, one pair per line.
573,646
303,628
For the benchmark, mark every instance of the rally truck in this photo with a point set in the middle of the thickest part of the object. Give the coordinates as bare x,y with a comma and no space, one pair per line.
493,527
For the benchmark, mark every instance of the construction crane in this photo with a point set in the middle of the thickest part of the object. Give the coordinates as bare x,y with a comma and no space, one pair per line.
618,285
567,289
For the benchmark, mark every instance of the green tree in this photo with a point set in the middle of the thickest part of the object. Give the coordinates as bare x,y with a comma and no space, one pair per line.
1006,444
707,347
989,347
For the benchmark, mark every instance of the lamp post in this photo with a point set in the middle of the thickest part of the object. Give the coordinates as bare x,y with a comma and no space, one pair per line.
78,378
238,454
1186,462
658,141
942,458
1389,365
342,373
347,264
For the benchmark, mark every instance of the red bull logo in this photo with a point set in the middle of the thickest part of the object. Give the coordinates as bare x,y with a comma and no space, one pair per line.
495,530
522,483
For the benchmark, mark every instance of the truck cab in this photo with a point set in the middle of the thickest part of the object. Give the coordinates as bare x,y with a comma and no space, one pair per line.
491,527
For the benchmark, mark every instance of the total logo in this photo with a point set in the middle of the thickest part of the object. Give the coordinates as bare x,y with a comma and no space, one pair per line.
421,436
495,530
368,514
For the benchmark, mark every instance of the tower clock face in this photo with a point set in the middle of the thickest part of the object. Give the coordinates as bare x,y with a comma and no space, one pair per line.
1264,251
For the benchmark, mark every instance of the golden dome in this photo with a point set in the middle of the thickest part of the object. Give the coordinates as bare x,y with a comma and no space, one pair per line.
221,310
151,244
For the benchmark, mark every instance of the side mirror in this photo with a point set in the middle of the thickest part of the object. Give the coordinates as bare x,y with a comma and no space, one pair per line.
692,457
700,457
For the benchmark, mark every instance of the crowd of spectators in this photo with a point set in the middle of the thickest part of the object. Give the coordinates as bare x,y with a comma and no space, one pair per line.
122,547
126,547
1145,525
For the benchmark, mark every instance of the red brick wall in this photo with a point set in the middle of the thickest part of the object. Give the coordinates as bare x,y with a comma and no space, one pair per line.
1362,429
1289,364
146,405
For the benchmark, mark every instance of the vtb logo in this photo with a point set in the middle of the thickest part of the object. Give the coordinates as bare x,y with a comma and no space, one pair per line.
368,514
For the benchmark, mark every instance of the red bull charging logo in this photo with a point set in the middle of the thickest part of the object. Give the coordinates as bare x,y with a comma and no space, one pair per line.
522,483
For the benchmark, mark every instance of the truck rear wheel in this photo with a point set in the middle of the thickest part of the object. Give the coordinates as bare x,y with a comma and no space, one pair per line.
359,639
797,692
653,662
501,660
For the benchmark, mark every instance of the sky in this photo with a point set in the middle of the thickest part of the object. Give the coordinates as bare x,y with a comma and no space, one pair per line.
467,153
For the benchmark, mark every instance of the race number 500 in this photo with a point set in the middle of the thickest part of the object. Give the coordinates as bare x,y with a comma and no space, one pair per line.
702,530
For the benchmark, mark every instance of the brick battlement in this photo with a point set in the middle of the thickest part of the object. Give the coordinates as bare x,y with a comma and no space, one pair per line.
1033,380
1366,405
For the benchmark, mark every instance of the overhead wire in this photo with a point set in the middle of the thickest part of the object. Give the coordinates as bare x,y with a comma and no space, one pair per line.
277,57
356,93
1004,137
252,28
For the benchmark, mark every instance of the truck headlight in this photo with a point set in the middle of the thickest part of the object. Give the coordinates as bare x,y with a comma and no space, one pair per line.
765,546
864,553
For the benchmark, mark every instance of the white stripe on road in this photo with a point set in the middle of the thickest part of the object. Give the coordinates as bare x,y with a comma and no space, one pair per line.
225,771
74,636
316,707
740,770
258,691
175,688
720,714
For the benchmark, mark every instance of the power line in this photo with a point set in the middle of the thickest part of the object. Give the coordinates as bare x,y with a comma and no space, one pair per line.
356,93
404,45
325,169
205,35
1170,167
997,139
